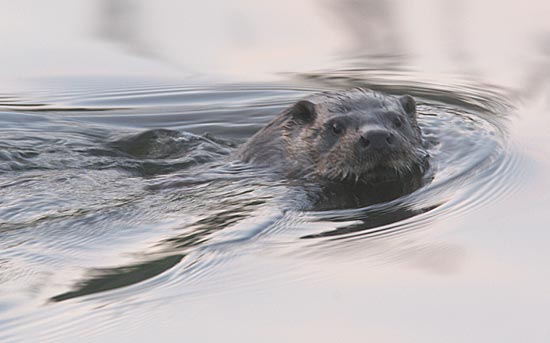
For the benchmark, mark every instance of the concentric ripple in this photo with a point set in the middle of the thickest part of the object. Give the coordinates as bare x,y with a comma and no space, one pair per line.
129,195
472,161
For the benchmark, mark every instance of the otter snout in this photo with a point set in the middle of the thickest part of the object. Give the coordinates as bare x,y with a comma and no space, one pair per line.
380,140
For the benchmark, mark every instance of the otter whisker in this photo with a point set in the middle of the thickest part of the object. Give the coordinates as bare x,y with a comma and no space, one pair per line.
346,136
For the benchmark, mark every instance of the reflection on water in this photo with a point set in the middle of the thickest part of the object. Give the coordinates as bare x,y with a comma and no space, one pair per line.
371,27
121,204
120,22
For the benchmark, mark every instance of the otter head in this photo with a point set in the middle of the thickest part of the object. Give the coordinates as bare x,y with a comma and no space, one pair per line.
356,135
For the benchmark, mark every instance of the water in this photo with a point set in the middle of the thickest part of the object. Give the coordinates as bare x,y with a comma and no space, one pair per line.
124,216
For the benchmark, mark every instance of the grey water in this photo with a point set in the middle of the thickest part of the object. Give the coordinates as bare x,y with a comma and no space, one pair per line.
123,215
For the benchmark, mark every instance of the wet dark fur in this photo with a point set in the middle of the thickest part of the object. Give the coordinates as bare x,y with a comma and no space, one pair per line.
353,136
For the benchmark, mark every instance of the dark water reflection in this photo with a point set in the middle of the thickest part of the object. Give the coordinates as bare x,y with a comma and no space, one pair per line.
122,212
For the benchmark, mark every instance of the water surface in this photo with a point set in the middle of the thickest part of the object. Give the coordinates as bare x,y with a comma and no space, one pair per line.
124,215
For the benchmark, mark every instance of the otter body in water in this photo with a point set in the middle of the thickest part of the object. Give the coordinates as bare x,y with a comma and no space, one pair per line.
354,136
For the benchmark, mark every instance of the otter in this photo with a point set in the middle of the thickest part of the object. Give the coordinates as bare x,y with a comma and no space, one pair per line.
356,136
360,146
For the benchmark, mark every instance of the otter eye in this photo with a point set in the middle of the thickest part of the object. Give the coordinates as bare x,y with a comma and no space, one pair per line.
397,122
337,128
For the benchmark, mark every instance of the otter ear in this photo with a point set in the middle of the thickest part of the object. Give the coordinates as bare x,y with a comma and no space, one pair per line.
303,112
408,104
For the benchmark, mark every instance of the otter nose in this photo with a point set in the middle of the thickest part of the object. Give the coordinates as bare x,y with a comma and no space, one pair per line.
377,139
